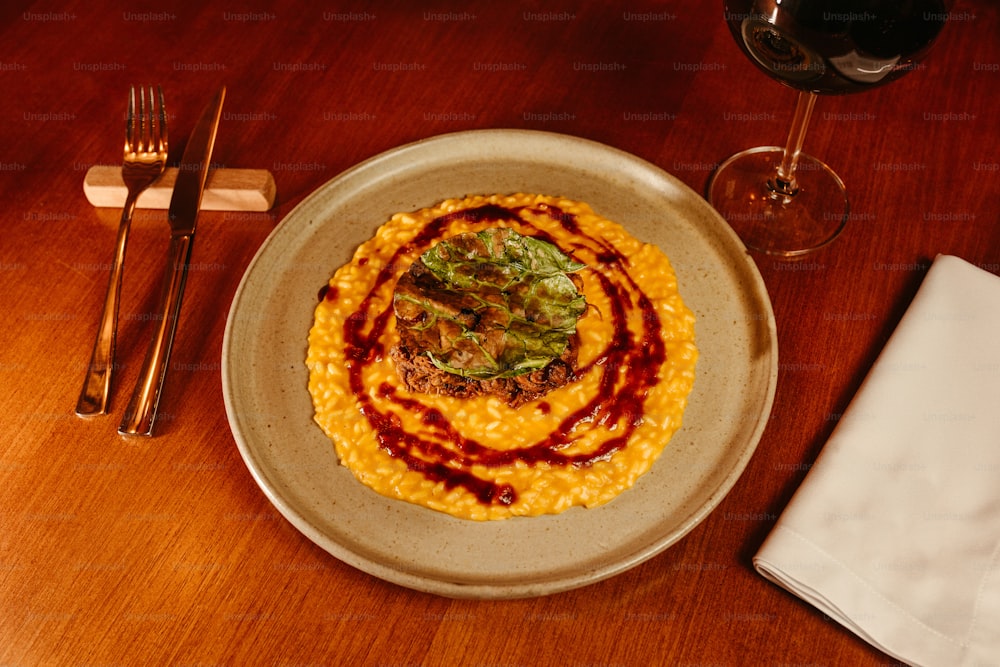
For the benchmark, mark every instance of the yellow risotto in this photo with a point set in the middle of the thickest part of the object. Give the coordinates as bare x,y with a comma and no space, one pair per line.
582,443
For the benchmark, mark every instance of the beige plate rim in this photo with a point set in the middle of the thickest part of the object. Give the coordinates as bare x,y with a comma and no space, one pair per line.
264,378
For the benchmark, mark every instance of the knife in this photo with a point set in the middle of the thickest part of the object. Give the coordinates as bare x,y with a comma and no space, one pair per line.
140,416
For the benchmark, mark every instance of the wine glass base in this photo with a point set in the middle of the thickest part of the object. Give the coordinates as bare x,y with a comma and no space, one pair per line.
775,224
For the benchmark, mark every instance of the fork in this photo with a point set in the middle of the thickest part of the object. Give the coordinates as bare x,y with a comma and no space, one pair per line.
144,160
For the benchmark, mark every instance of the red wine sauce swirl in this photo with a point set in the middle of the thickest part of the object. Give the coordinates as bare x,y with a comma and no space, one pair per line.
628,368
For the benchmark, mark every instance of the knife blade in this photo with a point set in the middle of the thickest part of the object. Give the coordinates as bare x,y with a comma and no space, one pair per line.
140,415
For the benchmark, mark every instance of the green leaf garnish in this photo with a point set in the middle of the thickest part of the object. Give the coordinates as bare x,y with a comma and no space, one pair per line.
499,305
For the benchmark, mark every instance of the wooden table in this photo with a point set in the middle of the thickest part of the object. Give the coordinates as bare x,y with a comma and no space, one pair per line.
166,552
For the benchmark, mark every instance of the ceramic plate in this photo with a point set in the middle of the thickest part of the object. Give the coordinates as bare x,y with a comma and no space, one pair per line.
270,411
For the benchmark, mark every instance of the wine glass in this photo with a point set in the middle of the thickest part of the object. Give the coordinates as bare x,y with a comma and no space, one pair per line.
779,200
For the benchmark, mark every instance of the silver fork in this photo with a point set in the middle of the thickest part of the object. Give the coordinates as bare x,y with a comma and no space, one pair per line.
144,160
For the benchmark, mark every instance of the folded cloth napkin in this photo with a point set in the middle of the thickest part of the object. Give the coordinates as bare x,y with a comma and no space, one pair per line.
895,531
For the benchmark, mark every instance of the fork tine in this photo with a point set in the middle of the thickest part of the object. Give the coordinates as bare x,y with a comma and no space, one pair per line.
130,121
154,125
162,126
147,117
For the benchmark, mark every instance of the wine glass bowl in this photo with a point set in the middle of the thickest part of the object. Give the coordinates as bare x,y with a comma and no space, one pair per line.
780,200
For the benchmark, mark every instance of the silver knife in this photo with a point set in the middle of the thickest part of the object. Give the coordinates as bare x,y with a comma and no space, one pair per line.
140,415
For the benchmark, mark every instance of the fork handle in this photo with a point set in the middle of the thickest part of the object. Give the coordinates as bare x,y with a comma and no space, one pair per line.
93,399
140,416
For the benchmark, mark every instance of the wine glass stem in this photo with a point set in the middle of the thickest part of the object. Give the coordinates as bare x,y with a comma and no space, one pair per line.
783,186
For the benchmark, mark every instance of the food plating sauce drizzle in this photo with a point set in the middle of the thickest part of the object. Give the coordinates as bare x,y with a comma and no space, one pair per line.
619,399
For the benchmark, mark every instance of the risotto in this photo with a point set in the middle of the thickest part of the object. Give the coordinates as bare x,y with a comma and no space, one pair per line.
475,456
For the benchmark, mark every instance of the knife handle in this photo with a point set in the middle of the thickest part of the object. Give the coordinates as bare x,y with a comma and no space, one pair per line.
140,416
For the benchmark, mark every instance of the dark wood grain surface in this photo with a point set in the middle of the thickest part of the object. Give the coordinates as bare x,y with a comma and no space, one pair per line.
166,552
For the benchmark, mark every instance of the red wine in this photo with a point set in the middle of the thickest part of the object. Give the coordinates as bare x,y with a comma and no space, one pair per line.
835,46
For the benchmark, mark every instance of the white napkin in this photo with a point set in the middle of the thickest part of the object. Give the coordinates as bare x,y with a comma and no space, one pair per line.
895,531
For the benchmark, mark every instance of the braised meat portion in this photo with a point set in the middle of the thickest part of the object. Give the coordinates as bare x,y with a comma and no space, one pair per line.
492,312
